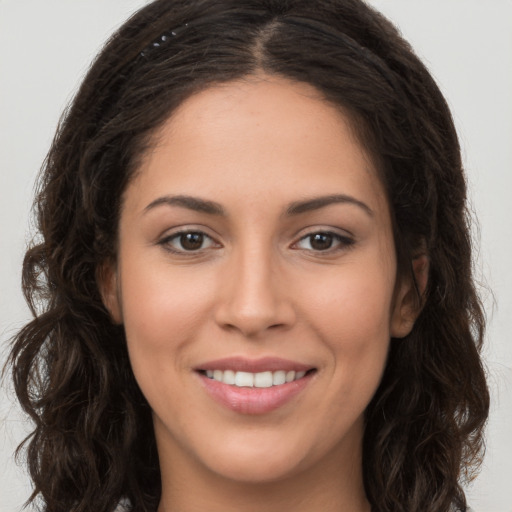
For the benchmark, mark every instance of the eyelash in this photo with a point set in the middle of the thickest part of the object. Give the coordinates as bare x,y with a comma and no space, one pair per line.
168,240
342,242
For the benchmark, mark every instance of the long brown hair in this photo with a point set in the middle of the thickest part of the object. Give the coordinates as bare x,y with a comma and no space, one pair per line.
93,441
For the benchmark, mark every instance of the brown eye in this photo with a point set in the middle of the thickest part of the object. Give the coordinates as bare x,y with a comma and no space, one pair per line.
191,241
188,241
321,241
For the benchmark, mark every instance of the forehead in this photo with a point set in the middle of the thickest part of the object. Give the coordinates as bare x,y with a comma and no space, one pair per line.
258,136
267,106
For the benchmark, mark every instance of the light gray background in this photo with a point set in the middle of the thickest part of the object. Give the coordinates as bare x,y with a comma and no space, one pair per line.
45,48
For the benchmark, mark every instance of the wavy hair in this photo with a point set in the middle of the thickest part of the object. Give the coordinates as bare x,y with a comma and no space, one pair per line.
93,440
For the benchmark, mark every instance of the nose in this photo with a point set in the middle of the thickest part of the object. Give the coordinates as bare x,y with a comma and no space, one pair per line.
254,296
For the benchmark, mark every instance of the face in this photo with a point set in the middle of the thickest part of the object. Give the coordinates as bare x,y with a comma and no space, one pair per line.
256,282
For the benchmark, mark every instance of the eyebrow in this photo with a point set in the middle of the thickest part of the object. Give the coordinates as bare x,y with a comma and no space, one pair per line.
295,208
316,203
192,203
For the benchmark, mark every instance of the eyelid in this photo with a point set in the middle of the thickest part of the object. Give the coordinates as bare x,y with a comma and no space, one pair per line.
172,234
345,240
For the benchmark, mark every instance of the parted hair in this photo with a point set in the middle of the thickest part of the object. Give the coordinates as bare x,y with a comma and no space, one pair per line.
93,442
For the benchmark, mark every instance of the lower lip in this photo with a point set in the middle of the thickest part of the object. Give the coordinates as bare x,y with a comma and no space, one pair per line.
254,400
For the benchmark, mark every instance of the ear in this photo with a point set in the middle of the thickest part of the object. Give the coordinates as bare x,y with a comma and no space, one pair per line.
107,280
409,298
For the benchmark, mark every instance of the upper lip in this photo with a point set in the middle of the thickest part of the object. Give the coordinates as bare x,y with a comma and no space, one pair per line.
243,364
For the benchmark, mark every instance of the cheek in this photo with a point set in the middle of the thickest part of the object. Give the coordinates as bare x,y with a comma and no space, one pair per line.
358,334
351,304
350,313
162,310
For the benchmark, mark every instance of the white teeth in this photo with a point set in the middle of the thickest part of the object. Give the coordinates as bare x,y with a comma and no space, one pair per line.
229,377
263,380
244,379
279,378
290,376
258,380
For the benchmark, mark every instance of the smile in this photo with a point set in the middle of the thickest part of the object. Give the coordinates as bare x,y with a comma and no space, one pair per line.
248,386
264,379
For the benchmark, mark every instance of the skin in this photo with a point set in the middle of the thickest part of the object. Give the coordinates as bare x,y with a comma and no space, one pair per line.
258,286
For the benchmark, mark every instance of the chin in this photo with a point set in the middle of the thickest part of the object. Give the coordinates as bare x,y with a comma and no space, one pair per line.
260,469
256,457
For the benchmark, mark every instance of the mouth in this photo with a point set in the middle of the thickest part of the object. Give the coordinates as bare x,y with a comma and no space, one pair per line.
254,386
264,379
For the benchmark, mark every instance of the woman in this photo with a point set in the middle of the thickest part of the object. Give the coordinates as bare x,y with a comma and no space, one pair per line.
256,271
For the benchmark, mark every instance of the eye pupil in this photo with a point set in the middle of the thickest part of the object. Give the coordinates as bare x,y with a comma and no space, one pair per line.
321,241
191,241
